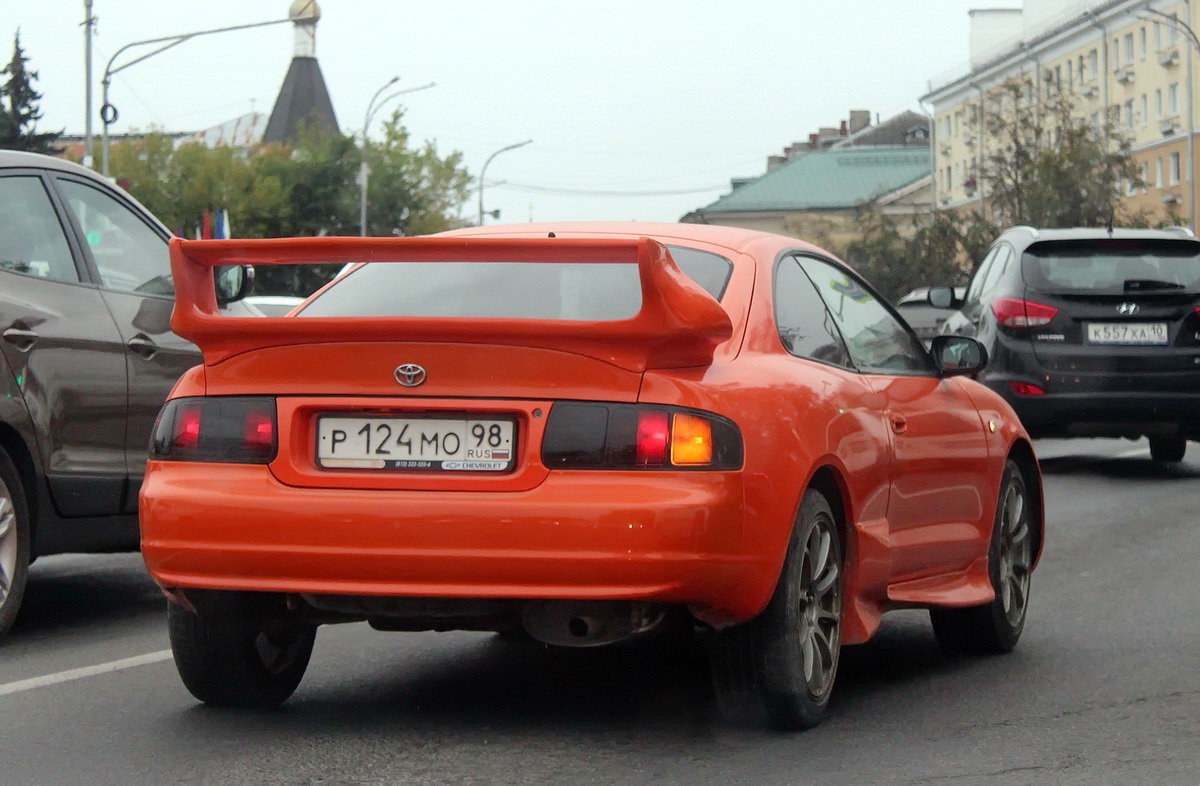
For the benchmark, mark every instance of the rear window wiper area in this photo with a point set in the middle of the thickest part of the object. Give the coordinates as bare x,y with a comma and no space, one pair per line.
1136,284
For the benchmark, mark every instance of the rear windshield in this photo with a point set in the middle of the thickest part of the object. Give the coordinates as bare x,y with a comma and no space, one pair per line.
1113,265
524,290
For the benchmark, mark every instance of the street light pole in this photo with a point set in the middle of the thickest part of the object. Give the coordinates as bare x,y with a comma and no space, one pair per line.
483,171
364,171
108,113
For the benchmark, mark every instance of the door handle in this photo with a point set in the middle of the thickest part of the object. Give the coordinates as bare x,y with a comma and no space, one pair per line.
899,424
21,339
143,346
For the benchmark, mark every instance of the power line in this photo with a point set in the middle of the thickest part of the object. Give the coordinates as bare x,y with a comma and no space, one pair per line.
535,189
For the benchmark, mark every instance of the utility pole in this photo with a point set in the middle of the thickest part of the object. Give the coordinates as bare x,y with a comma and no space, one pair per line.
89,31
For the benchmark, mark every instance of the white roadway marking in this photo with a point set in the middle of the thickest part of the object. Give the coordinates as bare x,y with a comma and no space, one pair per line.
87,671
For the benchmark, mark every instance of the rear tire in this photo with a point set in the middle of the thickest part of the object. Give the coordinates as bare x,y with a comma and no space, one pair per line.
14,542
239,649
781,665
1168,449
995,627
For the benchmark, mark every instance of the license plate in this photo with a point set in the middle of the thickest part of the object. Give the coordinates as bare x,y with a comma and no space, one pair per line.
1127,333
423,444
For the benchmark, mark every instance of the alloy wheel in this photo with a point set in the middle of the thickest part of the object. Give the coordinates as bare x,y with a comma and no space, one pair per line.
820,608
1016,554
8,542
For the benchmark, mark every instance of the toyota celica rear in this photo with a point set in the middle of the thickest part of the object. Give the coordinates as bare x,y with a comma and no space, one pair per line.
581,434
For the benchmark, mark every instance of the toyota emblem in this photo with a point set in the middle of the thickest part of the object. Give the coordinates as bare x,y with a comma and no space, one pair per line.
1128,309
410,375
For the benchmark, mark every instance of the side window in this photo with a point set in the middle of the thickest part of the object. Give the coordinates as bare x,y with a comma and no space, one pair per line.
976,287
129,254
876,340
805,326
997,270
32,240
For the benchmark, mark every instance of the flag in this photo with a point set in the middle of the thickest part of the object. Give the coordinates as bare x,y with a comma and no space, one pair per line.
205,226
218,229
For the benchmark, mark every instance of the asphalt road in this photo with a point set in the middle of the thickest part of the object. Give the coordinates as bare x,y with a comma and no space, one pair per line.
1104,687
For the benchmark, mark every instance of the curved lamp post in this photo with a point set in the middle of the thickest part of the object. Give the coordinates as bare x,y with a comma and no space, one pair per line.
364,171
483,171
108,113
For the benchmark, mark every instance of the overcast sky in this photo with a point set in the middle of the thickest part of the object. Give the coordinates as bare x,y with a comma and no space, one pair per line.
638,109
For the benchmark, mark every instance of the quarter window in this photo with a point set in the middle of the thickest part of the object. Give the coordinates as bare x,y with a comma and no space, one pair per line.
31,237
805,326
876,340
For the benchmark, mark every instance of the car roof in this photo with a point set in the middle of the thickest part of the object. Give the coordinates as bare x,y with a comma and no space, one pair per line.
747,241
11,159
1026,235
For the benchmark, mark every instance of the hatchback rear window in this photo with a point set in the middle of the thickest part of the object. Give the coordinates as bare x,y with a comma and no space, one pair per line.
521,290
1113,265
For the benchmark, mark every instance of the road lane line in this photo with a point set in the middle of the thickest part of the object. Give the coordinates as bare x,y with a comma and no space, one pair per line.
86,671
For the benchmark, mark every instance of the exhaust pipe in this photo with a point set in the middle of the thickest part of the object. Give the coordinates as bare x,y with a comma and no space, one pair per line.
590,623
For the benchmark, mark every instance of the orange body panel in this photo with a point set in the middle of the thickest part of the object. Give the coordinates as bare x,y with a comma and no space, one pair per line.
918,501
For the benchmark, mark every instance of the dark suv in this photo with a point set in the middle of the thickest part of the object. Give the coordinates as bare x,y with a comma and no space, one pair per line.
1091,332
88,358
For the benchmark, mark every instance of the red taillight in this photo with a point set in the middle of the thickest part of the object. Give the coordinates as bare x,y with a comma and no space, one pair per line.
653,434
187,426
1016,313
1025,389
235,429
595,435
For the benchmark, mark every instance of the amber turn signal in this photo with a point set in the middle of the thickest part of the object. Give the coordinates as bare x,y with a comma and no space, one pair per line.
691,440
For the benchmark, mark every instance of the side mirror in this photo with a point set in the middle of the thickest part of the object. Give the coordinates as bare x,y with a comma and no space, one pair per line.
958,355
233,283
943,297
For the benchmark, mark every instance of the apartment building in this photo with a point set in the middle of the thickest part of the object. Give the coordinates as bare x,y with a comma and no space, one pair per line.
1137,58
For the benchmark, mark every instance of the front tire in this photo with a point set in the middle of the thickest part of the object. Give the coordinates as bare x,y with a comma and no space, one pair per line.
1168,449
239,649
782,664
995,627
14,542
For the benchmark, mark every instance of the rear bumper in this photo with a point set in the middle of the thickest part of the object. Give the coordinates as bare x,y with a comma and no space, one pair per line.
673,537
1103,414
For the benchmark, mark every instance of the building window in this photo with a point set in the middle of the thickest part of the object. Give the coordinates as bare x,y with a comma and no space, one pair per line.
1129,47
1157,36
1173,99
1093,64
1158,104
1145,177
1142,42
1070,75
1115,54
1130,187
946,123
1058,77
1145,110
1172,31
1095,119
1158,172
1129,114
1173,169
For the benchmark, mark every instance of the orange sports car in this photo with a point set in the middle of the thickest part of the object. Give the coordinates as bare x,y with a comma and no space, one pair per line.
582,433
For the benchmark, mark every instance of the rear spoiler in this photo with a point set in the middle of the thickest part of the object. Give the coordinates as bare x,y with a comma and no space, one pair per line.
679,324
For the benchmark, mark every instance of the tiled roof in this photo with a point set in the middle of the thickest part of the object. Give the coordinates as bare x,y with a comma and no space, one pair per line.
830,179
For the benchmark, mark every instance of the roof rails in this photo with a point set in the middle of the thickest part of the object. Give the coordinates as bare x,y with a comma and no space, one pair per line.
1180,230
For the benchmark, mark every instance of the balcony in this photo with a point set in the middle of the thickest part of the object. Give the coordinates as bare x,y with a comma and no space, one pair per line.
1168,58
945,149
1089,91
1171,198
1124,75
1168,125
969,141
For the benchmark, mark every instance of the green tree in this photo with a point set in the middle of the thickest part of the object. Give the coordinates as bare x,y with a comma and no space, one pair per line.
19,110
1045,166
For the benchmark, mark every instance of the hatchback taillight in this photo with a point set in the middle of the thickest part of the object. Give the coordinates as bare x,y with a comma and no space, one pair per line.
628,436
235,429
1016,313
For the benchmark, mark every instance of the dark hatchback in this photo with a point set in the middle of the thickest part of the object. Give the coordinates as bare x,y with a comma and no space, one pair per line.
1091,332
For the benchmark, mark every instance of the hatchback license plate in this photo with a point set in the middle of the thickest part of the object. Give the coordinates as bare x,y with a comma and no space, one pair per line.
1127,333
425,444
